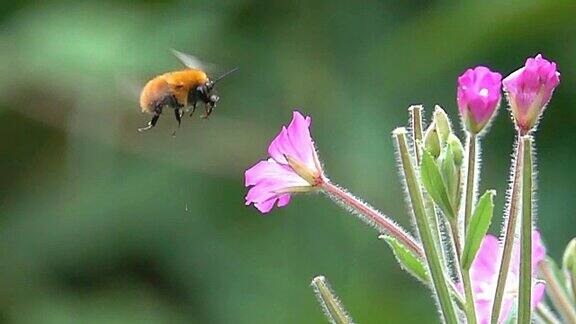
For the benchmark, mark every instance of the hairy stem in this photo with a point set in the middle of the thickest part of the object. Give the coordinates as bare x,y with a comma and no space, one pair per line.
470,179
383,223
557,294
509,234
332,307
546,315
468,203
525,280
439,279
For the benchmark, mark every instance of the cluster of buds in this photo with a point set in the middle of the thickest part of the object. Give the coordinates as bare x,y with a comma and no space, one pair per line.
447,150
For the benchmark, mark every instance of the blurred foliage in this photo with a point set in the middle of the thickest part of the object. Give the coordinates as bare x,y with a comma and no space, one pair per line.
100,224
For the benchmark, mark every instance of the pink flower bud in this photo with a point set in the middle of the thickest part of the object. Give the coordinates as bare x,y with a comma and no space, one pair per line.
529,89
478,97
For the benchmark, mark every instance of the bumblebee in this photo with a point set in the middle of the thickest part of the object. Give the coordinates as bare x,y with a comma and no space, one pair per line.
181,91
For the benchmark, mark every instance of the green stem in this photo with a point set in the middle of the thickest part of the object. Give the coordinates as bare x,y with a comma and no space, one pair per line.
525,280
455,237
557,294
468,202
332,307
470,179
546,314
439,280
470,304
509,234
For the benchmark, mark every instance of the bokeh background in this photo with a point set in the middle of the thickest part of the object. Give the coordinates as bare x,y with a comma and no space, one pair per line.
101,224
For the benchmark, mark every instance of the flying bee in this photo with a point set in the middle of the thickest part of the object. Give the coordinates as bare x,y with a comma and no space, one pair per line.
181,91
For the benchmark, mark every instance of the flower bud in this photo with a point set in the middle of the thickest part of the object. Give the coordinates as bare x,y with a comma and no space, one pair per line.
478,97
569,265
569,258
442,124
457,149
451,173
432,141
529,89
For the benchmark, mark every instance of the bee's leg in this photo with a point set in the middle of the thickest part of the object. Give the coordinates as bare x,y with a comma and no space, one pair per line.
207,110
193,109
178,114
150,124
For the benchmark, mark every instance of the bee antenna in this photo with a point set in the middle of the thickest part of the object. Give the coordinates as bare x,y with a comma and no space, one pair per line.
225,75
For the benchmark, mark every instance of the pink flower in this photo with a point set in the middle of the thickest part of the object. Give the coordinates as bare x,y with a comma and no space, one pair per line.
478,97
530,89
484,277
293,166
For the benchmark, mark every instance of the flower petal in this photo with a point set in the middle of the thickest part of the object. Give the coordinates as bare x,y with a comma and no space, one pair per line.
266,206
485,265
268,180
294,141
538,290
538,253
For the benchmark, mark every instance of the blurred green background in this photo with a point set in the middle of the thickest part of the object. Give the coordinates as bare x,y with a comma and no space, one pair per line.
101,224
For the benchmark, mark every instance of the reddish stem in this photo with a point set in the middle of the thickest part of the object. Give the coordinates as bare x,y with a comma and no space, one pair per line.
372,214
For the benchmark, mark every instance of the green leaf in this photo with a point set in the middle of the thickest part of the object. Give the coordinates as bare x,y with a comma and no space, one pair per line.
407,259
477,228
434,185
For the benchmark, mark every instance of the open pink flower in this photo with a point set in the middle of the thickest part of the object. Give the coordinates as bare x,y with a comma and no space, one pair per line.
293,166
530,89
478,97
484,277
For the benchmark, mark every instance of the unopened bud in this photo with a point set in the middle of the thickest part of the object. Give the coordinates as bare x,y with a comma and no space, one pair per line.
432,141
451,173
442,124
530,89
569,265
569,258
457,149
478,97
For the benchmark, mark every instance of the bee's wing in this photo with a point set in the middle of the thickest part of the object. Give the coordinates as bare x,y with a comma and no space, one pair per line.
195,63
129,87
189,60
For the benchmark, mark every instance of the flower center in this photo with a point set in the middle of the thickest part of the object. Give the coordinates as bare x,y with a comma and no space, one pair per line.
483,92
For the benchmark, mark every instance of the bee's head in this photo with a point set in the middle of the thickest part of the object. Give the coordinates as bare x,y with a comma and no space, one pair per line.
206,93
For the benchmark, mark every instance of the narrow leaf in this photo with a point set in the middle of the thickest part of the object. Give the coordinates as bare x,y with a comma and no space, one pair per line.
407,259
477,228
434,185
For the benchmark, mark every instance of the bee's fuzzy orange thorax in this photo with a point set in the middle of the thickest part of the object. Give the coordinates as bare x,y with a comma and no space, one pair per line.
177,83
